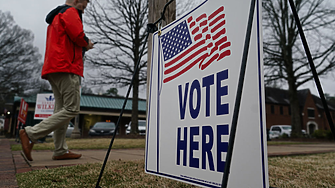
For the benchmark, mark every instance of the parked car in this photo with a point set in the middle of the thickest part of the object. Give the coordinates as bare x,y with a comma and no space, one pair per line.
68,131
2,125
142,126
102,129
279,130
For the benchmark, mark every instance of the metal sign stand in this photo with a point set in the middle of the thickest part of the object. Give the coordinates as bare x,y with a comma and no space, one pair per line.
151,28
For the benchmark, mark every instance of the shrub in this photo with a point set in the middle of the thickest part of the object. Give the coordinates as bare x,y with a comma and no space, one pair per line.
323,134
329,135
284,136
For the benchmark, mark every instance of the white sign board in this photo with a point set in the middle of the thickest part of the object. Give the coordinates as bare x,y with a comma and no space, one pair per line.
194,76
45,104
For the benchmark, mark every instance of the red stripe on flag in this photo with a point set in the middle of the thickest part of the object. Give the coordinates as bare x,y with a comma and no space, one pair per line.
218,26
202,16
224,54
209,61
197,37
225,45
217,35
208,46
185,69
168,71
215,13
216,20
185,53
195,30
189,19
205,29
224,39
203,23
192,24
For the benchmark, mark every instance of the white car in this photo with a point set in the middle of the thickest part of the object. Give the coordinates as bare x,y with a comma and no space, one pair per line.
142,126
279,130
68,131
2,123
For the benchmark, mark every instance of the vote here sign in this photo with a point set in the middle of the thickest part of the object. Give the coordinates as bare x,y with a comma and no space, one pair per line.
196,63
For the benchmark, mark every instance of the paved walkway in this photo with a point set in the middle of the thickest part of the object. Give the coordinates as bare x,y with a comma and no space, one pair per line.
13,162
7,167
300,149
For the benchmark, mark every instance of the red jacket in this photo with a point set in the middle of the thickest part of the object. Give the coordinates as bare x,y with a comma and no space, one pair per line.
65,42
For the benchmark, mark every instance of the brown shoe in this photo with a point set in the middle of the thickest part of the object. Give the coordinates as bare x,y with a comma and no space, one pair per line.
26,146
68,155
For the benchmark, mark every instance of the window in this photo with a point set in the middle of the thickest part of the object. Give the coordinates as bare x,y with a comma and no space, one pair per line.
276,129
281,110
289,110
311,113
272,109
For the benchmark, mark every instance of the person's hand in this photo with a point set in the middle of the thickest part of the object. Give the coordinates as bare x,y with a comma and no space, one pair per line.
90,45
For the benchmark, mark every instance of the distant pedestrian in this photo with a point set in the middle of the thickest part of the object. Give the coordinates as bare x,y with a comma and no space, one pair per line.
63,68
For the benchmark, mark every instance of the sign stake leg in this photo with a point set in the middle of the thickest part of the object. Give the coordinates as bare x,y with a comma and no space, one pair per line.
238,96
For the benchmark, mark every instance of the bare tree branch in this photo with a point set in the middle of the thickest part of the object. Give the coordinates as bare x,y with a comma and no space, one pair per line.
284,58
19,59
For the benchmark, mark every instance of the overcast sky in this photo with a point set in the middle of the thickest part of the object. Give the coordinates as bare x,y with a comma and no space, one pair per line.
30,14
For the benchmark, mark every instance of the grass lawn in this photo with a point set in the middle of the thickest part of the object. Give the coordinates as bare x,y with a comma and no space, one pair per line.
284,172
117,174
312,171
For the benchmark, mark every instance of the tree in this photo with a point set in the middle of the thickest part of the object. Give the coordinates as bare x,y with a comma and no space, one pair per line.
330,98
112,92
284,58
119,27
85,89
19,59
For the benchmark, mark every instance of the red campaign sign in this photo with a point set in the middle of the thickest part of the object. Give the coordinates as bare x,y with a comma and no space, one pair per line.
23,111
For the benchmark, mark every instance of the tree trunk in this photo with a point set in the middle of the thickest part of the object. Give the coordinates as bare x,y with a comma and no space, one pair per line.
295,112
134,114
155,10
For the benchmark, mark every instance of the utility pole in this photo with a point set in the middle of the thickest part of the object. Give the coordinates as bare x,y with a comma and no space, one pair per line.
155,10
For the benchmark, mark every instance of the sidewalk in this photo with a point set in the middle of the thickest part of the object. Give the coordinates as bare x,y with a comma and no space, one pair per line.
13,162
7,167
43,159
300,149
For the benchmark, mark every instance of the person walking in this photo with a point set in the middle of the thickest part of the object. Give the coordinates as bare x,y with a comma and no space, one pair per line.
63,68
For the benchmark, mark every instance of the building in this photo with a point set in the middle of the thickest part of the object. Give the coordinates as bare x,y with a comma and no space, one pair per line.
97,108
312,114
93,108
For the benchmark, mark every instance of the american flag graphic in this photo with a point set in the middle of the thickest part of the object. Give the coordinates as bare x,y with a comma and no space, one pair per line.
200,40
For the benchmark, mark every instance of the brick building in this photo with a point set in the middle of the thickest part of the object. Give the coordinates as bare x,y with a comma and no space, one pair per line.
312,114
93,108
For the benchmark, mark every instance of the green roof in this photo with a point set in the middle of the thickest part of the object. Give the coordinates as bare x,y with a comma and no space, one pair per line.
97,101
